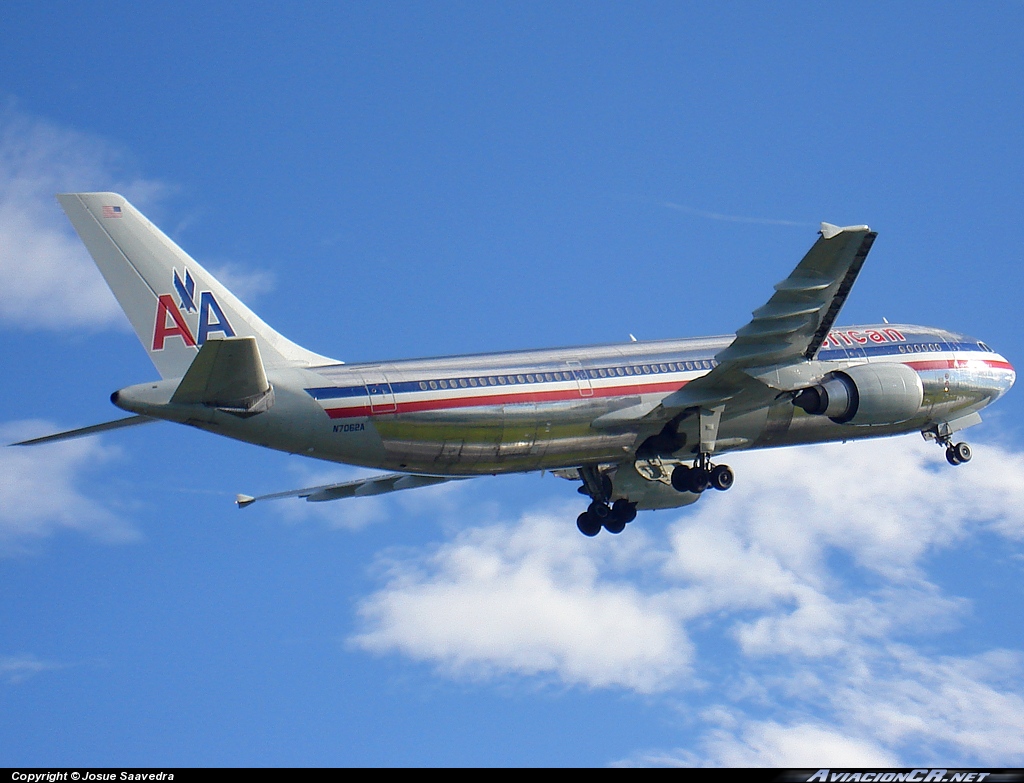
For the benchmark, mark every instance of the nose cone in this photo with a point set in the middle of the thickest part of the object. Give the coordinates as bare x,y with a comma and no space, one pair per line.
1001,374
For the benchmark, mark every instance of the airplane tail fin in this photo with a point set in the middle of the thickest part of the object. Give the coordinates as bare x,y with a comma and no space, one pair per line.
173,303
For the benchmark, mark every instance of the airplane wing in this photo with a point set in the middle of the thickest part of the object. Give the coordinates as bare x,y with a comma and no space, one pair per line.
784,333
81,432
372,485
795,322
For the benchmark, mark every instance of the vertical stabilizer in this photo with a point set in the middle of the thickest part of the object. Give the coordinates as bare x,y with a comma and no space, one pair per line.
173,303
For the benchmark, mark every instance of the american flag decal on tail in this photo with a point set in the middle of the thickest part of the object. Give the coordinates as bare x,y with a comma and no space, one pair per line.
111,212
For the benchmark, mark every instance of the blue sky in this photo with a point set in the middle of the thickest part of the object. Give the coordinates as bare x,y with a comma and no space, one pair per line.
395,180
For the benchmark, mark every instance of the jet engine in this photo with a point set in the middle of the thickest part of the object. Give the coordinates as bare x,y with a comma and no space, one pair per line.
865,394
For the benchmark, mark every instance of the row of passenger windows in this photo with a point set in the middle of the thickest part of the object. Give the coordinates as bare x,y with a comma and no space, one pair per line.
921,347
550,377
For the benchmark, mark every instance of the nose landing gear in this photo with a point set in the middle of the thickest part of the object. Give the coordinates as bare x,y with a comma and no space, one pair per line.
942,433
957,454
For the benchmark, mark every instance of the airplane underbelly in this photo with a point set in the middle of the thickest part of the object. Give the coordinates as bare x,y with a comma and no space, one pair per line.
499,438
439,441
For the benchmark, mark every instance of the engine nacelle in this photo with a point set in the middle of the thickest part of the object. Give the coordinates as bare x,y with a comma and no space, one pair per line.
865,394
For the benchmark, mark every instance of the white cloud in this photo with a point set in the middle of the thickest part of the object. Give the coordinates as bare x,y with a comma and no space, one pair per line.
758,221
887,503
15,669
932,704
49,279
525,598
246,284
813,572
771,744
40,489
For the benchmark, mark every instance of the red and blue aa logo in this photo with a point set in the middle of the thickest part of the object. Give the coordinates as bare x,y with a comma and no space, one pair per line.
170,315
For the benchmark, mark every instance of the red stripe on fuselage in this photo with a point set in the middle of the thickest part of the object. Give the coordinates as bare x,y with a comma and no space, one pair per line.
934,364
949,364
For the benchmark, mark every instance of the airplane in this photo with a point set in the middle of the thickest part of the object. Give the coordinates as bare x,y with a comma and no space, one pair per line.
639,425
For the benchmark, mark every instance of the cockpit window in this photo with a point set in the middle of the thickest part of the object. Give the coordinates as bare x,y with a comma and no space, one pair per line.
984,347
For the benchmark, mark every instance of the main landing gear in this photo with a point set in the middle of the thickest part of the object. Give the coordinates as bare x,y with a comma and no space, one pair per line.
613,518
600,514
702,475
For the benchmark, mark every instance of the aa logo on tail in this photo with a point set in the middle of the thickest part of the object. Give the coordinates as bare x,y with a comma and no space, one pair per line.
211,317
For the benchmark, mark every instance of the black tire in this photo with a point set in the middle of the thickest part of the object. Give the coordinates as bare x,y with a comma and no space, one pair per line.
722,477
599,511
963,452
951,456
624,510
681,478
588,525
698,480
614,525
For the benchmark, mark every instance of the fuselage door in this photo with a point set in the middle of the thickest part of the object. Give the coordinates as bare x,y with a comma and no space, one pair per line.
582,379
378,389
954,375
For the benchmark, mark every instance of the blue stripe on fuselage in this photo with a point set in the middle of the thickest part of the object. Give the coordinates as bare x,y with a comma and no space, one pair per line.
914,343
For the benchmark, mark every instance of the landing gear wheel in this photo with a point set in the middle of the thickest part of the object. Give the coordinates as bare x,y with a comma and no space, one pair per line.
599,511
951,456
623,510
614,525
722,477
588,525
681,478
963,452
698,480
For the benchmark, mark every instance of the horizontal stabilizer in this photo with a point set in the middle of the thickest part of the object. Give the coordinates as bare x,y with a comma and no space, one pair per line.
226,374
131,421
373,485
